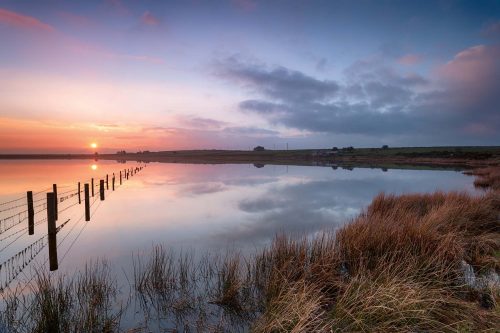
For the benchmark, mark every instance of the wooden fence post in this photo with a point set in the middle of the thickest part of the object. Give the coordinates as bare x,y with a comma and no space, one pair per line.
113,182
87,202
120,177
107,182
101,189
92,181
54,189
51,224
31,214
79,194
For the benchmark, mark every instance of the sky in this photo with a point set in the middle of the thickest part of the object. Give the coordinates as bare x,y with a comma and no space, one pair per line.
233,74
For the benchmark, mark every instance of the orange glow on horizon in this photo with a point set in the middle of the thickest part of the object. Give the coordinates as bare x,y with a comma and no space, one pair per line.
32,136
93,167
93,145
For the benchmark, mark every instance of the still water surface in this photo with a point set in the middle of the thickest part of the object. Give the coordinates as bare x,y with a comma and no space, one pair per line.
204,208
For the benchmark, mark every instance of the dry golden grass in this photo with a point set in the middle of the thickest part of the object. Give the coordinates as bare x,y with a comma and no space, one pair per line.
398,267
297,308
488,177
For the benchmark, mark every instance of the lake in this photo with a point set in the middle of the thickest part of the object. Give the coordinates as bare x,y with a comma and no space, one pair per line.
186,207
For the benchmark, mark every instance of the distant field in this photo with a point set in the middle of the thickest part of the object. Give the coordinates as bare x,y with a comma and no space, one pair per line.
494,150
457,157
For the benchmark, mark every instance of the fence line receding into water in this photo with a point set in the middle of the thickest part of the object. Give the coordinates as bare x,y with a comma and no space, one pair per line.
26,209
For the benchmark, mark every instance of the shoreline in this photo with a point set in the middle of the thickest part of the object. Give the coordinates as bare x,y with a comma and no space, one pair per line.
457,158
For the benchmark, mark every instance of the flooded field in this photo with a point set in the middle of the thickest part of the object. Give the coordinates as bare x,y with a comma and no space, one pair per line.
196,209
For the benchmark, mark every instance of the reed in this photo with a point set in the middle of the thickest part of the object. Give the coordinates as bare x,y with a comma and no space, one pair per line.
488,177
84,303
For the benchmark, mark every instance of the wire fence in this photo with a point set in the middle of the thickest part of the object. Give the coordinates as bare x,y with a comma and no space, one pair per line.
66,200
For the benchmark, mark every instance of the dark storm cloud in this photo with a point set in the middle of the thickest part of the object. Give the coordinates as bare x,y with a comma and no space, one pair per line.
375,100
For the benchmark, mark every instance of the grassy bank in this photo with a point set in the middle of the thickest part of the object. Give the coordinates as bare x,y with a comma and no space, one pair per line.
409,263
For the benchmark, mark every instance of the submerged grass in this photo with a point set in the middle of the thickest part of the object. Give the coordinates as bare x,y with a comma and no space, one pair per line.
84,303
488,177
408,263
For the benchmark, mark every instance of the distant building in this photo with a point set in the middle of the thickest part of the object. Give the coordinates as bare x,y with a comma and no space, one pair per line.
259,148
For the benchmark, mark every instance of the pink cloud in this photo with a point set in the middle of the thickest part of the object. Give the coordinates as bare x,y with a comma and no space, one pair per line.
410,59
149,19
23,21
473,76
478,64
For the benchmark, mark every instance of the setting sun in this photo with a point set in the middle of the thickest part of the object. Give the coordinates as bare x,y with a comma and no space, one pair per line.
93,145
93,166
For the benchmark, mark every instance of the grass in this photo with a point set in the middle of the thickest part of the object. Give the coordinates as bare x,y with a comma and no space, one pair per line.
397,267
84,303
488,178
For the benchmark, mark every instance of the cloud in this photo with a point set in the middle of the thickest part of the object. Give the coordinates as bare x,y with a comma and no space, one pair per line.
130,137
476,65
492,30
473,77
250,131
21,21
279,83
202,188
410,59
149,19
377,101
201,123
208,126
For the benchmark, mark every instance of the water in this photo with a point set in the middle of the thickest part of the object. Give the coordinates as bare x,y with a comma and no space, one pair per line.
204,208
